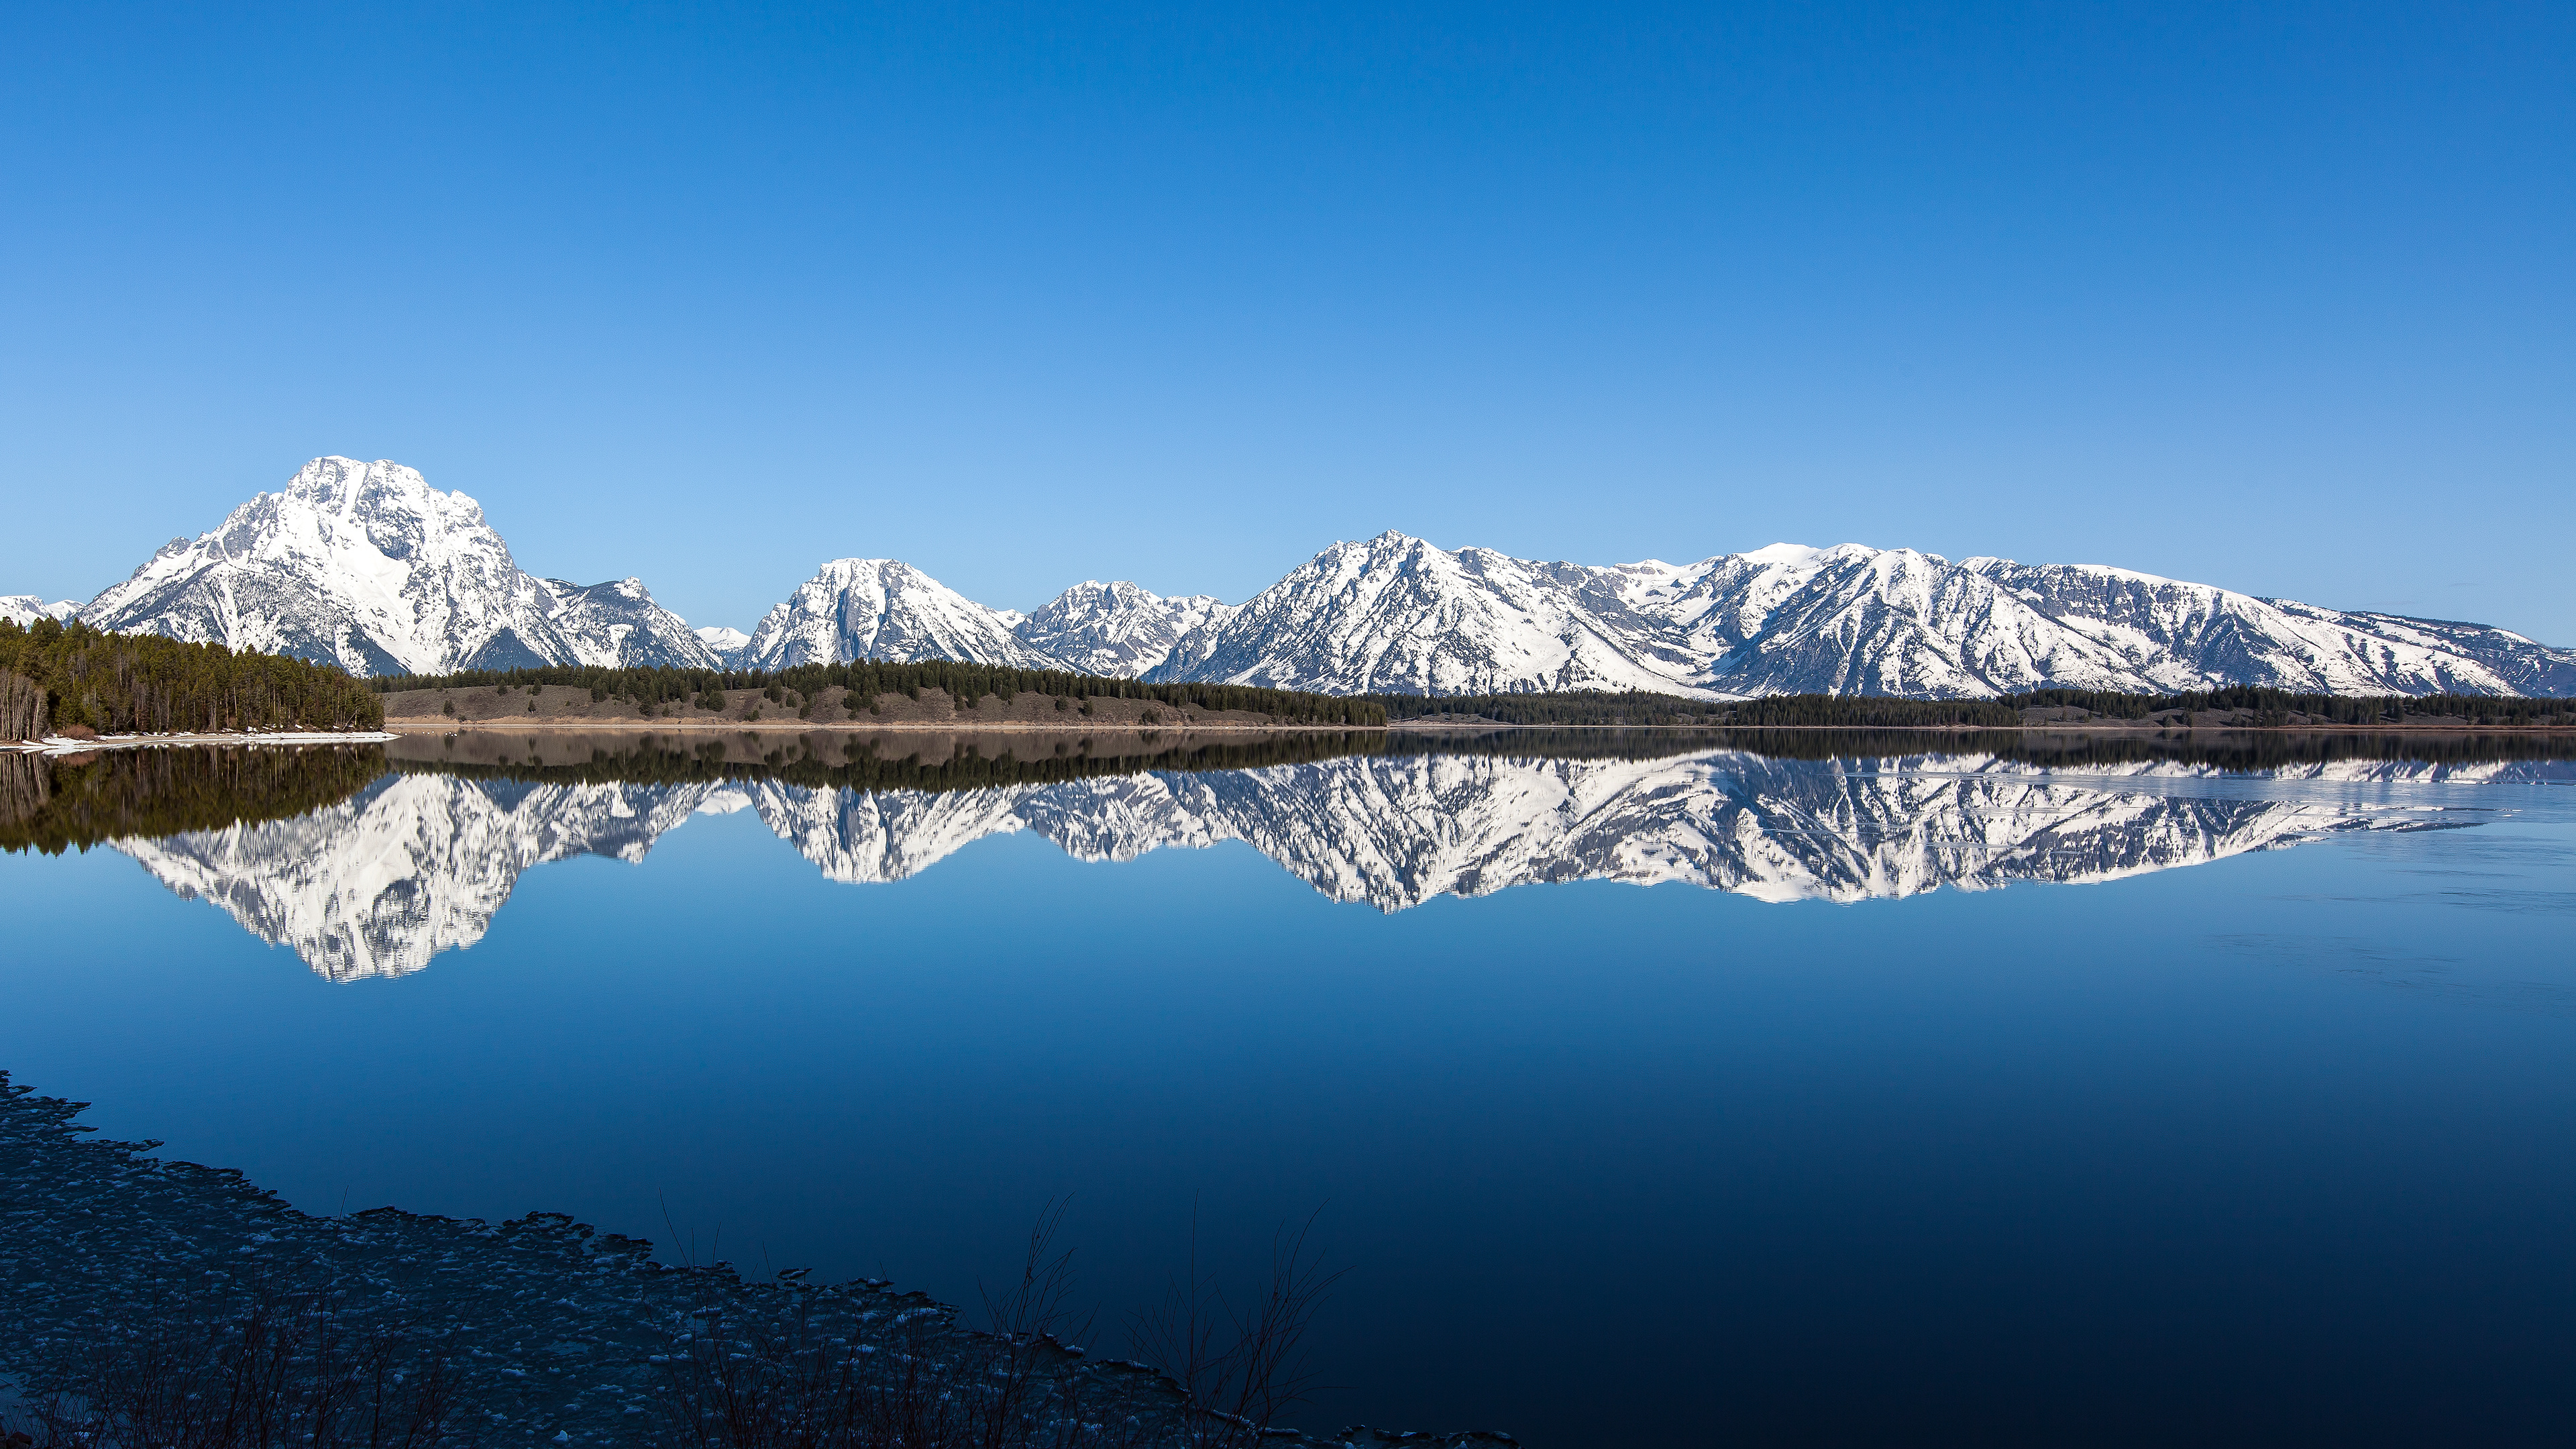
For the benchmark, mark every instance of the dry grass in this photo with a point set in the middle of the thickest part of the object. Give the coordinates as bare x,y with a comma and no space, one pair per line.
252,1372
918,1381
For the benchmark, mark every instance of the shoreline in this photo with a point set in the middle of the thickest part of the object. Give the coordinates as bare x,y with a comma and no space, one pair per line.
774,709
2067,727
60,746
551,1332
69,745
505,725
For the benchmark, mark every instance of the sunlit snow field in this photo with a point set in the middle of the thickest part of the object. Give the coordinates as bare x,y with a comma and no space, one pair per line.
1824,1101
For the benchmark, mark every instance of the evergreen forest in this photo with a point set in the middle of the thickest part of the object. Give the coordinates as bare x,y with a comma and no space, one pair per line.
839,762
661,689
1637,707
60,677
2256,707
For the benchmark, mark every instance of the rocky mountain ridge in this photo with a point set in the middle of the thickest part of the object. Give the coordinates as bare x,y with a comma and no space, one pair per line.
1397,615
24,610
877,608
366,566
1117,629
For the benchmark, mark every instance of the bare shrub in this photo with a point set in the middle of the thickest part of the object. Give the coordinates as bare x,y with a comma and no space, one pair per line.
1029,1321
909,1378
1239,1369
904,1374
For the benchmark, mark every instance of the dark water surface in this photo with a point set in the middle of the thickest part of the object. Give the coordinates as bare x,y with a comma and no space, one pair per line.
2028,1092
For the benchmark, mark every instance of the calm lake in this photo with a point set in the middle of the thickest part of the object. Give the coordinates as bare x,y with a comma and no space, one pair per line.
1653,1087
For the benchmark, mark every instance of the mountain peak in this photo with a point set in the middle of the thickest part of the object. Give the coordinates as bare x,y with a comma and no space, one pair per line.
347,487
878,608
1118,629
726,644
1398,616
25,609
366,566
1781,553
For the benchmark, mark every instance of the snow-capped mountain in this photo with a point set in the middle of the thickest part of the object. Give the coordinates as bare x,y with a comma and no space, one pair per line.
1116,628
618,624
725,644
366,566
1396,614
857,608
1858,620
877,608
420,863
25,609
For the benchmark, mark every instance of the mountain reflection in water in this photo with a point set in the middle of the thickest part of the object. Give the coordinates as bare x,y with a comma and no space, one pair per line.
419,858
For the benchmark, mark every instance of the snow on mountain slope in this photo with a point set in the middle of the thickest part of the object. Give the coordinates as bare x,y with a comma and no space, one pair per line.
25,609
725,644
366,566
1398,615
1116,629
874,608
618,625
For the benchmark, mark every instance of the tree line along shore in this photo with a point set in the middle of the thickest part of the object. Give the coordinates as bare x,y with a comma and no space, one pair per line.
2238,707
950,695
936,691
69,679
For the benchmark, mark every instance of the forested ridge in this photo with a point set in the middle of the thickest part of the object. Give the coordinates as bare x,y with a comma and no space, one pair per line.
2221,749
1602,707
57,676
2272,707
681,689
827,760
2258,708
819,762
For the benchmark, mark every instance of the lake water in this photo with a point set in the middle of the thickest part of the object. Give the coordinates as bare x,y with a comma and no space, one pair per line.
1653,1088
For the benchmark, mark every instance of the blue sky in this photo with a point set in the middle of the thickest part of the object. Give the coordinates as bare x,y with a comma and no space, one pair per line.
2272,297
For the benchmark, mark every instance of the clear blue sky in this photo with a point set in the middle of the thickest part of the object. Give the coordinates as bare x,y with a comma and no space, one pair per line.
2272,297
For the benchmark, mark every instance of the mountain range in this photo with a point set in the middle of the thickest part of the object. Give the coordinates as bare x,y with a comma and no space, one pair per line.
367,566
25,609
420,863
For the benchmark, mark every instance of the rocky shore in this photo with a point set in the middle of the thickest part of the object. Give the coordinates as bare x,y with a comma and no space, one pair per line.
535,1331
